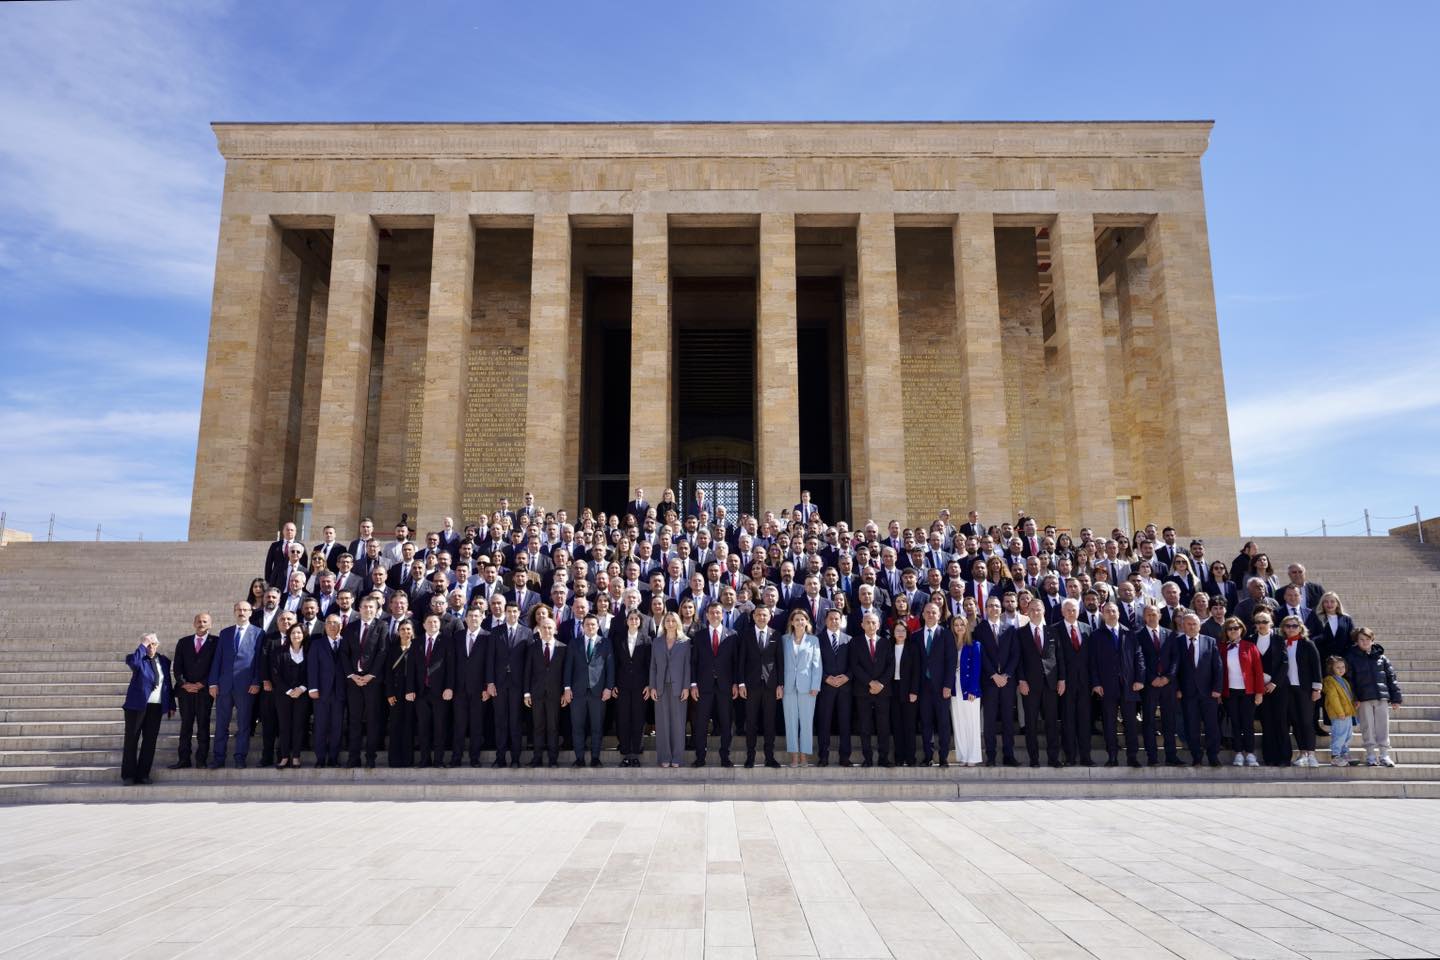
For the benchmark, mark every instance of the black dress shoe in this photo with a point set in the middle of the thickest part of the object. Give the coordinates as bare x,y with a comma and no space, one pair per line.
474,763
179,765
1196,762
370,764
1086,762
320,764
1056,764
749,763
240,764
595,762
1133,762
1174,762
1011,762
886,764
846,763
352,764
1214,761
142,781
216,765
772,763
536,762
925,762
555,763
128,782
697,763
990,762
726,762
822,762
515,764
578,763
442,765
1112,762
1034,763
944,764
499,765
864,763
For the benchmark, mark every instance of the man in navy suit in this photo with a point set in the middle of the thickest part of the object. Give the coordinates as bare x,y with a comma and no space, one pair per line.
327,691
1199,679
589,678
805,508
999,669
432,677
872,675
714,669
147,697
362,655
194,653
938,661
761,678
1162,661
277,556
638,507
234,683
1117,671
834,704
1039,678
508,673
471,649
544,692
1073,662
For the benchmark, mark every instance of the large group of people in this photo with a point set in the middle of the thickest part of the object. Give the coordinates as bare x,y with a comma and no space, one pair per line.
673,622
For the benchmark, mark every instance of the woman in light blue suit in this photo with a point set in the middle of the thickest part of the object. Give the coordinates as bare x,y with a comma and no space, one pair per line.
802,685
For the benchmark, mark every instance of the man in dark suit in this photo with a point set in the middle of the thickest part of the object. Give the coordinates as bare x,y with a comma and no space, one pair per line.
1310,591
761,678
872,676
714,671
362,654
523,595
638,507
938,660
329,548
507,674
277,556
544,688
289,568
1117,671
590,679
999,666
1199,680
1162,660
470,648
1072,656
326,679
971,527
193,655
805,507
834,704
234,683
359,547
432,677
1039,679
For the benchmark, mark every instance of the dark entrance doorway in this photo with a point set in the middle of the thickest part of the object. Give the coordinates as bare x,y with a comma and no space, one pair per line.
605,436
820,336
714,367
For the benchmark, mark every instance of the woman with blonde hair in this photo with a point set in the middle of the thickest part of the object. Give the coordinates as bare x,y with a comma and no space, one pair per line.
965,704
1306,683
802,685
670,688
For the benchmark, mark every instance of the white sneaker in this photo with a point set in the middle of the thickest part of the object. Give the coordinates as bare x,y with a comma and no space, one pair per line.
1312,761
1251,761
1386,762
1298,761
1371,762
1239,759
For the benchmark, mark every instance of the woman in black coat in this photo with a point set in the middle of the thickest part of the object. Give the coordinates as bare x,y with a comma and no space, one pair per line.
400,696
288,676
1305,692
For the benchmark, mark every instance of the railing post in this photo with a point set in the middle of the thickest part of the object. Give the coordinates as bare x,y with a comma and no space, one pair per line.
1367,521
97,533
2,526
50,534
1323,532
1287,531
1418,528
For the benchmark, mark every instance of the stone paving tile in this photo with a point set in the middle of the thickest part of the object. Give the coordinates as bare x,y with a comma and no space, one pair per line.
1119,879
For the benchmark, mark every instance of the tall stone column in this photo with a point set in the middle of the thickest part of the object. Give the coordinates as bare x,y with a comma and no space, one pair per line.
232,451
1080,364
446,391
1150,455
651,399
977,308
345,382
777,365
884,428
1202,476
546,450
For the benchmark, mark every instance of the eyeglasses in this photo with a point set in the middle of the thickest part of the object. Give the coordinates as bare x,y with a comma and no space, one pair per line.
1233,629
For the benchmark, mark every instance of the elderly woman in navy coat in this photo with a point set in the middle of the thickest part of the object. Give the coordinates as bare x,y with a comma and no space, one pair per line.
148,697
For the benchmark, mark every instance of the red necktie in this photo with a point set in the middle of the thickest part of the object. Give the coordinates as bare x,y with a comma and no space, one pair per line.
198,643
1039,641
547,653
715,642
1155,638
1075,638
872,648
429,649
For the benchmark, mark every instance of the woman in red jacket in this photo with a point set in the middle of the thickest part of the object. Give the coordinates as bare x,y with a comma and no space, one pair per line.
1243,687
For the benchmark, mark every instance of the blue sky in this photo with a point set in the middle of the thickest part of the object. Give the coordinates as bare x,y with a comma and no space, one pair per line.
1319,180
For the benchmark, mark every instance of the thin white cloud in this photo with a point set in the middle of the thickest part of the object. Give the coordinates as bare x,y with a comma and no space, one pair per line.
112,180
1263,298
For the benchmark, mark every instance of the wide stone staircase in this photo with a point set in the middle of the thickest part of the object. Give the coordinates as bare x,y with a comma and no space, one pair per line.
70,612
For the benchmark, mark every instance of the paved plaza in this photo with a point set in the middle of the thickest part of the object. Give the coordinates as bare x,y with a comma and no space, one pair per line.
1116,878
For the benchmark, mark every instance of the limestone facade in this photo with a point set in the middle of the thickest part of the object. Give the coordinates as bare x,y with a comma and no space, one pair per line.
401,312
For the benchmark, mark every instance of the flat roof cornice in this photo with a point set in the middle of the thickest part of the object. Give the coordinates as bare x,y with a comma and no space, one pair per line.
579,140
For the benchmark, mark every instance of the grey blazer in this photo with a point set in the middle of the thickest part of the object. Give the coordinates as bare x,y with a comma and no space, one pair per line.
670,666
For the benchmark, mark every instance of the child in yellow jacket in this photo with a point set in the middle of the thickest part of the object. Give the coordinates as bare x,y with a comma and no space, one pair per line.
1340,708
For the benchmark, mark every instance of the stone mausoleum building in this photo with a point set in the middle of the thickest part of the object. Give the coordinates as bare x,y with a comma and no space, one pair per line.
420,318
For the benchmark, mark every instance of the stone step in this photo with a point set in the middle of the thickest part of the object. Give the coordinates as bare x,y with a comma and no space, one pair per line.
114,687
793,785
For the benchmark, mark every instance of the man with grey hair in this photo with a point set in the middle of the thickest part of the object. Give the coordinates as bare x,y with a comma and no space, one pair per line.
1199,682
147,698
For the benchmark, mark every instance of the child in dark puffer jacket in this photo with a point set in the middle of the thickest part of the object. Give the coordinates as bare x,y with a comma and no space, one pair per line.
1377,694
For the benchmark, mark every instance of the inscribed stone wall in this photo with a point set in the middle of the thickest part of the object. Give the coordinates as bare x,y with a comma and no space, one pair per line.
929,360
495,421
